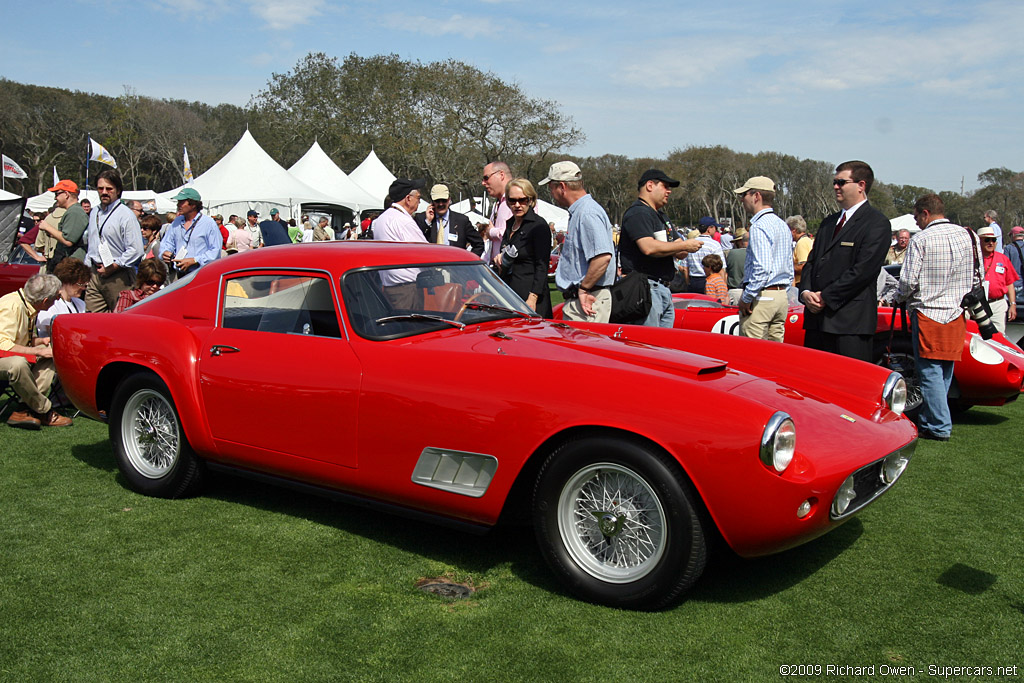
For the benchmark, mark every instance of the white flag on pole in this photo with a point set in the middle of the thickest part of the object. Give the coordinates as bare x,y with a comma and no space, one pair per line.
11,169
56,178
99,153
188,167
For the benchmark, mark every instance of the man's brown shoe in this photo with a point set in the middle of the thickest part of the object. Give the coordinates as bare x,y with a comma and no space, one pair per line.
54,419
23,419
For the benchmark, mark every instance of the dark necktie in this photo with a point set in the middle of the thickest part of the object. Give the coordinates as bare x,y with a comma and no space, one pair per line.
839,226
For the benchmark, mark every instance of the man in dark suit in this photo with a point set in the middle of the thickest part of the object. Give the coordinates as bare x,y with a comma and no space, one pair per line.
837,285
443,226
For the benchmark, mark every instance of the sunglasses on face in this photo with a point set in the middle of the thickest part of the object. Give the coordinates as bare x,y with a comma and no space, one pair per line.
839,182
525,201
991,240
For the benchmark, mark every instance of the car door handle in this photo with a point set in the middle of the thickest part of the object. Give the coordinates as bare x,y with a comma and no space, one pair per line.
218,349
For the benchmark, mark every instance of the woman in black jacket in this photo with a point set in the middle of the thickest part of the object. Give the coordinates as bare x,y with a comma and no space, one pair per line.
526,248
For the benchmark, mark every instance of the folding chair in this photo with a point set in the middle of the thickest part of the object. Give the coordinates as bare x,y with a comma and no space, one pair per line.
7,398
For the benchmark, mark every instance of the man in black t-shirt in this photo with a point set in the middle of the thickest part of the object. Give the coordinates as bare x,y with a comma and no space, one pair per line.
644,245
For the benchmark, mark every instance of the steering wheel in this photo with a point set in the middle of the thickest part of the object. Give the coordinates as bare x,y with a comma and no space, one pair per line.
467,302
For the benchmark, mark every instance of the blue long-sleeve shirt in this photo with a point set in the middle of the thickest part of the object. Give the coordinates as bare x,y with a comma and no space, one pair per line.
769,255
202,240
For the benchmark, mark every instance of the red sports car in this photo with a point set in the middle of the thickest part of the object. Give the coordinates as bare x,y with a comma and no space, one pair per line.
989,372
436,378
14,275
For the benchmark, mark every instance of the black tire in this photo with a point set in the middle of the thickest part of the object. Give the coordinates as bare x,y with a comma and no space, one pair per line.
151,448
645,548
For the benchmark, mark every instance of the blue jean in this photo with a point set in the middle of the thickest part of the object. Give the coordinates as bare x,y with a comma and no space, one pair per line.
935,376
663,313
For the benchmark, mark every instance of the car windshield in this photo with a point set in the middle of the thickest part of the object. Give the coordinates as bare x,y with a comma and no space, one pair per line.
393,302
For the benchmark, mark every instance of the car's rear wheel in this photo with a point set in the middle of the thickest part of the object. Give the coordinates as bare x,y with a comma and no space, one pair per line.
617,522
152,451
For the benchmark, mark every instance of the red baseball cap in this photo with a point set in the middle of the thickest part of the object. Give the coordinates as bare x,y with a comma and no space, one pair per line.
66,185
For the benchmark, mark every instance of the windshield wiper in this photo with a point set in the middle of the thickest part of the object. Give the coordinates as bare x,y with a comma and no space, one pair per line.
492,307
420,316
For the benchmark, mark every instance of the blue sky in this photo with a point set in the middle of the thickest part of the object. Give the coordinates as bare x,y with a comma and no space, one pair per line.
926,92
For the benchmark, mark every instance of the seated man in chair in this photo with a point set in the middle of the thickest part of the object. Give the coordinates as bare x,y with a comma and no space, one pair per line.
30,381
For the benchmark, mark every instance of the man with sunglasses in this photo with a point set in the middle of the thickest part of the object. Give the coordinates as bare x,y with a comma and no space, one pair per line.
70,231
441,225
999,278
837,284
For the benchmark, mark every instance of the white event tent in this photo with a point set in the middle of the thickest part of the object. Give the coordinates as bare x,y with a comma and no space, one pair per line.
317,170
160,204
248,178
374,177
905,222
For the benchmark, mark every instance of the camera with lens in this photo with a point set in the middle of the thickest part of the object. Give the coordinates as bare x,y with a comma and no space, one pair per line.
977,306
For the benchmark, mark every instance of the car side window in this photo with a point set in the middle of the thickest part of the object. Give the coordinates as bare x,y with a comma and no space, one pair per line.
282,304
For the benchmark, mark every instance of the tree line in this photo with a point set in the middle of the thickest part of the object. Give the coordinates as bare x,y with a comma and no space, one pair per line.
442,121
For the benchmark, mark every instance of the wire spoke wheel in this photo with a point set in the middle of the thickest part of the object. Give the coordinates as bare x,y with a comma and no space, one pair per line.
612,523
152,451
149,429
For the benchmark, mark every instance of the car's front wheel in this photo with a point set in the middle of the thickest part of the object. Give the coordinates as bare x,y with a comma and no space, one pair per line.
617,522
151,448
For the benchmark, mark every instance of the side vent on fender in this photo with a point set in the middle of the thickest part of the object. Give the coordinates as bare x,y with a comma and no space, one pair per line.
467,474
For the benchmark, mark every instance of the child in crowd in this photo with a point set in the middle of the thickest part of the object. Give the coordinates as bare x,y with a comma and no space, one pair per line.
715,284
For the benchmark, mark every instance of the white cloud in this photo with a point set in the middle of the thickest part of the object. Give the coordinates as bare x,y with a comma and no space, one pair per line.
456,24
695,62
286,14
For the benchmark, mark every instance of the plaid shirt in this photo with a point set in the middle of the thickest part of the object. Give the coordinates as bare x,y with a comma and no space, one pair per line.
938,270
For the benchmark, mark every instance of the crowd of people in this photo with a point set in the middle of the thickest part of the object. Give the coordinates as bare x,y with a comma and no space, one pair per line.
109,257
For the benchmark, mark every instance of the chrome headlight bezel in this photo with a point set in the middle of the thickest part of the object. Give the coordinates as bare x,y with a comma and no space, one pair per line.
778,442
894,393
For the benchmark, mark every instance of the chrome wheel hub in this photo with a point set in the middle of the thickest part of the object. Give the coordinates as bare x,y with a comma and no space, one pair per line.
149,431
612,523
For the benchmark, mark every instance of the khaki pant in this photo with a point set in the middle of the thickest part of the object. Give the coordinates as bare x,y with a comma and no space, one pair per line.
102,292
999,309
602,308
30,381
767,320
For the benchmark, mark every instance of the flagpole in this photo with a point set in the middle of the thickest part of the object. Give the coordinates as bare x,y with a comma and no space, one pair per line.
88,153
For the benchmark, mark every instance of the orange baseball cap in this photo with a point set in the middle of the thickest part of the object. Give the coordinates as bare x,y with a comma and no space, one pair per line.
66,185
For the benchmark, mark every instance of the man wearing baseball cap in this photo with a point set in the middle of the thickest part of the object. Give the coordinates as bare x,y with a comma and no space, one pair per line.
396,224
586,268
693,266
644,245
193,240
252,224
70,232
441,225
273,231
768,267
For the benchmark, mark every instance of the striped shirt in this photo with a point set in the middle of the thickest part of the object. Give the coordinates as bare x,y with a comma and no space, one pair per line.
693,261
769,254
938,270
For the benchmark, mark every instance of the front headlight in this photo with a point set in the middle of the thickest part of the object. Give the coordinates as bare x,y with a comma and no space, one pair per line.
844,496
894,393
778,442
983,353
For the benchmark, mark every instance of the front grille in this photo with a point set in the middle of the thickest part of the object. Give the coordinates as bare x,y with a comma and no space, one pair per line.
868,483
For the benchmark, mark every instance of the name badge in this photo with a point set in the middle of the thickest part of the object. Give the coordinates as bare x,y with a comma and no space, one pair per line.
846,244
106,256
1000,268
452,237
182,253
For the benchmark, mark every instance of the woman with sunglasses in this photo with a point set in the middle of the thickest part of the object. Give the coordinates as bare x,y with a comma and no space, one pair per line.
526,248
74,278
151,277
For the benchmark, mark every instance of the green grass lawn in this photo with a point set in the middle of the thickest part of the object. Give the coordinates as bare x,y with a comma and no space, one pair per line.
253,582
